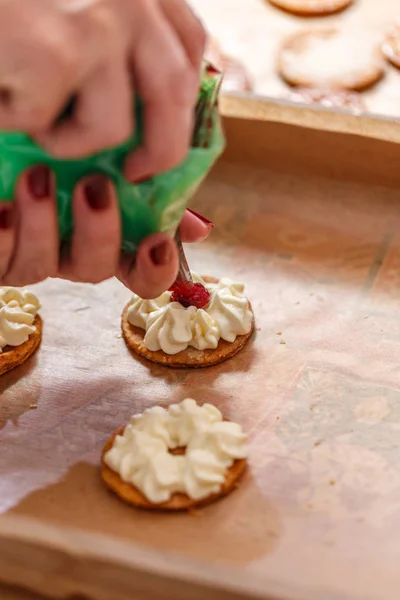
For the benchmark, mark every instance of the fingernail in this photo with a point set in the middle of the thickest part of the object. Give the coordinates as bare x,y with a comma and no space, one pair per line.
7,217
97,192
161,254
202,219
39,182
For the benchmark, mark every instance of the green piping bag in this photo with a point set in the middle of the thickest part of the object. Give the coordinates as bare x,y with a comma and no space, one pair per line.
155,205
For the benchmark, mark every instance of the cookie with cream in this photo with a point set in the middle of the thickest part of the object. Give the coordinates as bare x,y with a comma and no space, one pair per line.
168,333
175,459
20,327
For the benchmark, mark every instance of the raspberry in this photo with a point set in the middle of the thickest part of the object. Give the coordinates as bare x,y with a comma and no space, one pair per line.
189,294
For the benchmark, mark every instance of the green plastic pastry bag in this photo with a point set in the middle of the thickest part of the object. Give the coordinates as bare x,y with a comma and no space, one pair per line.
156,205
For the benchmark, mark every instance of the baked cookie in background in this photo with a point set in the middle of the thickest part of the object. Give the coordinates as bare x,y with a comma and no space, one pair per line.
235,75
331,59
312,8
391,46
168,333
336,99
175,459
20,327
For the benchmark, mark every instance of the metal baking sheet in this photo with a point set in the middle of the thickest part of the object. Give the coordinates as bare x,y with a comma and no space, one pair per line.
317,389
251,30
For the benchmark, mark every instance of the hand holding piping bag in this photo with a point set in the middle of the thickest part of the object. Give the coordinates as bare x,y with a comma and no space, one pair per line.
100,53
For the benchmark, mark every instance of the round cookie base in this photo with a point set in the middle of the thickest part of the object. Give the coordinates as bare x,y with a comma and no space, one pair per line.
391,48
318,8
178,502
189,358
14,356
295,44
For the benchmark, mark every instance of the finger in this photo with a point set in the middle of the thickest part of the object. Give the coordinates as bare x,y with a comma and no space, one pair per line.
96,241
39,63
154,268
8,221
188,28
194,227
168,86
102,117
36,252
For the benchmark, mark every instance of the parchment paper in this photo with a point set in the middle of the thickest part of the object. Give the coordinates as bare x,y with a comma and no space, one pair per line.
252,30
318,391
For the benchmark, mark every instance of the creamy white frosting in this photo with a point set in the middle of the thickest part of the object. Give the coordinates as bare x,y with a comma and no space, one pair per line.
172,328
18,309
141,454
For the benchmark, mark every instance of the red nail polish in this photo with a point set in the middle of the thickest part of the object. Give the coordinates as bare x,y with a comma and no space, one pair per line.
7,217
39,183
202,219
161,255
97,192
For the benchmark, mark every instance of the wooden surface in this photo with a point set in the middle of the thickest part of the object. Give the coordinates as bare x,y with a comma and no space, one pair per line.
317,390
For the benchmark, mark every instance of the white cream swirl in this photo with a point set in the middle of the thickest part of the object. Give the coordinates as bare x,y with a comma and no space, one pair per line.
172,328
141,454
18,309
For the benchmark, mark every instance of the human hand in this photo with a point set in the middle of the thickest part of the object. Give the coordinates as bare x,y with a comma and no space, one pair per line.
30,248
100,52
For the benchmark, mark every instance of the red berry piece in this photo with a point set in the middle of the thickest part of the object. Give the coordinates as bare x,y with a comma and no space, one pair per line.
189,294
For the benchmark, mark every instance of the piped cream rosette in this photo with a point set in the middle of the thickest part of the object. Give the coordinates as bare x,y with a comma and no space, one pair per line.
20,326
143,457
171,329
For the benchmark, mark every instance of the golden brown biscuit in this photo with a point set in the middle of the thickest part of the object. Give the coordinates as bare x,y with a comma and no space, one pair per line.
190,357
328,58
13,356
391,46
312,8
341,99
178,502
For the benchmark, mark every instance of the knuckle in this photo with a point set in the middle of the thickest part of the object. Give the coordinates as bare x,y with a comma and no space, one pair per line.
199,36
108,136
181,84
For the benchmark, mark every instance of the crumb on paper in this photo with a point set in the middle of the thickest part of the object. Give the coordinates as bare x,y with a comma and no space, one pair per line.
279,333
310,506
33,406
277,418
317,443
119,336
282,342
298,302
332,482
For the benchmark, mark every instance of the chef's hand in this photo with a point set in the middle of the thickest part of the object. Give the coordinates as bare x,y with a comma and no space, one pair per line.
99,52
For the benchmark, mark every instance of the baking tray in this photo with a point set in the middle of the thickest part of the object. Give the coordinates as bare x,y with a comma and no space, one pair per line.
308,220
252,30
